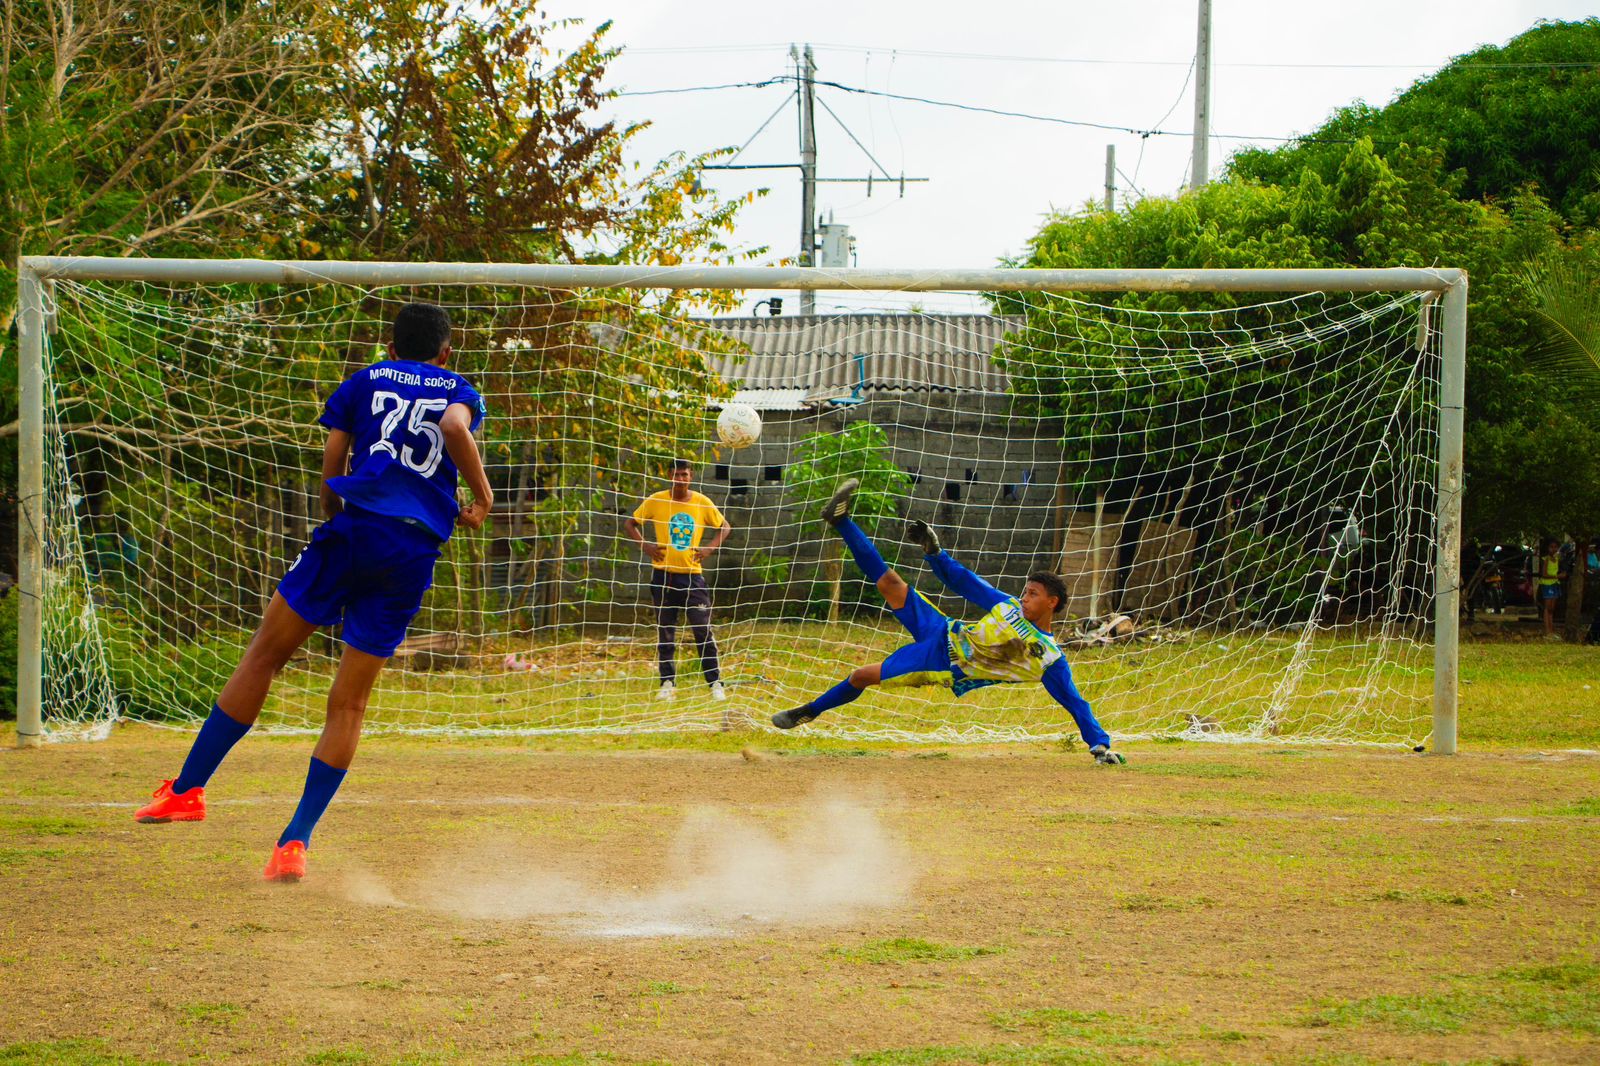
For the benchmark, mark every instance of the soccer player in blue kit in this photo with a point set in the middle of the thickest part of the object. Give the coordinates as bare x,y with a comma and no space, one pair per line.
1011,643
402,428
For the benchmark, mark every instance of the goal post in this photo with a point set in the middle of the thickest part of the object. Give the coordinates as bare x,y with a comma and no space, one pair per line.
1446,287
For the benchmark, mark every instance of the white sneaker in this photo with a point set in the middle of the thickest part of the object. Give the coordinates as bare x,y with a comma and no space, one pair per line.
668,691
716,691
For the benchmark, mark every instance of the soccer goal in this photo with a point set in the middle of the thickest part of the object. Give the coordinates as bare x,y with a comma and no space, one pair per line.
1250,481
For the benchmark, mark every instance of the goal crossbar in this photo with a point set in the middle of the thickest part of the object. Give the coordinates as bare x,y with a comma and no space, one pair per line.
540,275
1447,285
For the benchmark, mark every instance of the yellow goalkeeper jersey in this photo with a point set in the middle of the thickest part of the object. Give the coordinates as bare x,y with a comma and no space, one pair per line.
1002,646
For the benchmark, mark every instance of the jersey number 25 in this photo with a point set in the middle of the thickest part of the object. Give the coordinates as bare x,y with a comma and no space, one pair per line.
418,424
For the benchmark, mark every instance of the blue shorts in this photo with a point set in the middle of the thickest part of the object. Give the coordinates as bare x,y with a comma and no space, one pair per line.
366,570
929,652
1549,592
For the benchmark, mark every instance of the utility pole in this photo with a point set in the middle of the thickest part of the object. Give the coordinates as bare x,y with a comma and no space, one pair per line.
1202,100
808,170
1111,177
837,237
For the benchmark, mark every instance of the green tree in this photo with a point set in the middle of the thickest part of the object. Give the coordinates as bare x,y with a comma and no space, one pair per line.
465,136
1481,166
163,127
409,130
1505,118
821,461
154,128
1566,299
1204,443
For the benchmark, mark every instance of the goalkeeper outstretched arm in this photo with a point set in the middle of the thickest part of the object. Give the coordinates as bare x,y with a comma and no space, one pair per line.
1057,681
964,583
957,578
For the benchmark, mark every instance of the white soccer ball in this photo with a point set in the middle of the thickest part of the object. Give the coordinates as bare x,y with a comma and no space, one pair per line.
738,425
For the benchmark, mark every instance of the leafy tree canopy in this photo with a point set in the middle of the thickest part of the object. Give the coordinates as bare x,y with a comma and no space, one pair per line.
1487,167
1526,114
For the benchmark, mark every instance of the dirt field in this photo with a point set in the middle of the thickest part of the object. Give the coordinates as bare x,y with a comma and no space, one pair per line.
506,902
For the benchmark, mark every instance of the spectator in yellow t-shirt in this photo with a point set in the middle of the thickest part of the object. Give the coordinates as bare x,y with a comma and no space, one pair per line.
679,519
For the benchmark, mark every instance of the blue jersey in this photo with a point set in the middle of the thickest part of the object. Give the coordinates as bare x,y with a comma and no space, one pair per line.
398,462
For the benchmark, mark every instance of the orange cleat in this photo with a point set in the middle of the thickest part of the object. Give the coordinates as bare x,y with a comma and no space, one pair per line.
170,806
288,862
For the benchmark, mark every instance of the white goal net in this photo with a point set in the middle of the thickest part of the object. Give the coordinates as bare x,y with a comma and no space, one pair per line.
1239,489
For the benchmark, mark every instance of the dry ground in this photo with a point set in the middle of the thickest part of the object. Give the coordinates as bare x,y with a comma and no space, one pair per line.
542,902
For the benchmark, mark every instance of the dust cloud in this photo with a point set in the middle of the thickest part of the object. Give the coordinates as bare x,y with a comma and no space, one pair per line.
721,874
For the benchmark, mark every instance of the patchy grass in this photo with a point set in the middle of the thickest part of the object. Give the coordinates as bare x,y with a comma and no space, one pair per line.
70,1053
1561,997
1037,908
1146,901
1422,895
910,949
212,1014
44,826
1444,1013
1091,1027
19,856
1208,770
1529,696
662,988
991,1055
337,1057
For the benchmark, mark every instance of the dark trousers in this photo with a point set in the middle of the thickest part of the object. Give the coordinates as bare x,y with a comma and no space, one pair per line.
673,593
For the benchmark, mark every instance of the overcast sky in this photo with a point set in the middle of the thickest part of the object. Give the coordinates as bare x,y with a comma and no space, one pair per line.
1279,68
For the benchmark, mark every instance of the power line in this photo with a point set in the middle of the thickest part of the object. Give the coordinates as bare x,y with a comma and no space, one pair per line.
857,141
1002,112
1086,61
1058,120
924,53
751,139
704,88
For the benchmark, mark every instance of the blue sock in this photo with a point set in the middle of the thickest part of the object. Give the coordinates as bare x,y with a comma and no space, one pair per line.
866,555
837,696
322,781
217,737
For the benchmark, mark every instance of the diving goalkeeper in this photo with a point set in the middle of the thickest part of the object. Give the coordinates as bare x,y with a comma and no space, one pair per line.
1011,643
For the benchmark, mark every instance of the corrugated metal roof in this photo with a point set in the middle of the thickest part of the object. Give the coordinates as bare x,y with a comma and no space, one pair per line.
767,399
829,355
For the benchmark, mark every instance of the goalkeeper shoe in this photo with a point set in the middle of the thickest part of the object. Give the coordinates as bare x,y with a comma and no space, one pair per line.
288,862
169,806
797,716
1105,755
922,535
838,506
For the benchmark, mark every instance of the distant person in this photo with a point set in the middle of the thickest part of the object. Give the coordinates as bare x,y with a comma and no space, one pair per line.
1592,592
1547,584
679,518
1494,582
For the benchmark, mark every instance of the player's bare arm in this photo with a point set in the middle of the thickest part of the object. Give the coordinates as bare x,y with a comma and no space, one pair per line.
706,548
335,463
456,424
652,550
